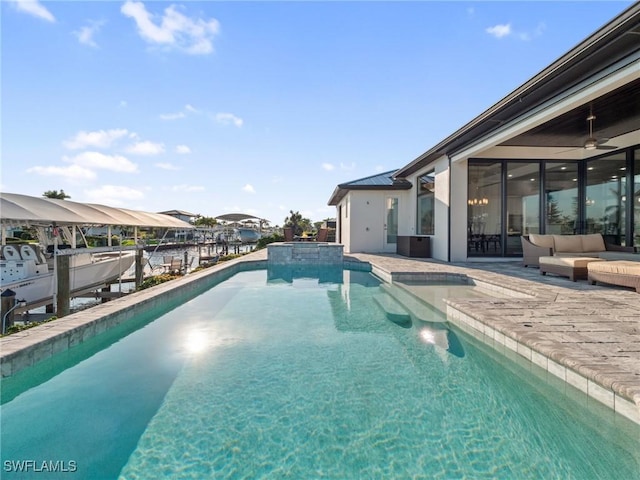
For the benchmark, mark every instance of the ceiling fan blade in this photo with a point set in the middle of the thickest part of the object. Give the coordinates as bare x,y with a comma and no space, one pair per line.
600,141
606,147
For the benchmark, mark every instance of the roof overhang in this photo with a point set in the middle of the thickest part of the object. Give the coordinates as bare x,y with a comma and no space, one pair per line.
341,190
613,49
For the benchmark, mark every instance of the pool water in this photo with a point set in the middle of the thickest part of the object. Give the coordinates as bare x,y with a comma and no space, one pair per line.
274,376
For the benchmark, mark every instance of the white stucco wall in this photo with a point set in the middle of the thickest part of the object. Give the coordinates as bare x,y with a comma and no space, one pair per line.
364,218
459,211
439,241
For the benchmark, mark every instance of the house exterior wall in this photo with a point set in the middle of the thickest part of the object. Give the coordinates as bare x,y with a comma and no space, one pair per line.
459,211
362,223
409,218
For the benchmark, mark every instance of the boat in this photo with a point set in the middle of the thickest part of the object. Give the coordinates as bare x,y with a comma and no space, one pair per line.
30,270
31,276
247,235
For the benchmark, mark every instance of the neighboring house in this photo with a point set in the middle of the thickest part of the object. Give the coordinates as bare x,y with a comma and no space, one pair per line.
181,215
560,154
185,217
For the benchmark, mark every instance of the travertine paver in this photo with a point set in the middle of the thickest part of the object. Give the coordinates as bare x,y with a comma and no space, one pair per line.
593,330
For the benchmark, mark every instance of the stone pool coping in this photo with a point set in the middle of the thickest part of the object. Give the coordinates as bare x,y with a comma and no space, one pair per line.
588,336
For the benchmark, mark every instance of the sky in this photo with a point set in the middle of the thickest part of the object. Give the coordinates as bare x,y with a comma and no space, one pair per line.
259,107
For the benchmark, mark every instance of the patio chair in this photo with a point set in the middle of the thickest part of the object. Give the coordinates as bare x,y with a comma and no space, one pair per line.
176,265
323,233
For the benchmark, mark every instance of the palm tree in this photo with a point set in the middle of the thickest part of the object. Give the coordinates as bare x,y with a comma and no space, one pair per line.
297,223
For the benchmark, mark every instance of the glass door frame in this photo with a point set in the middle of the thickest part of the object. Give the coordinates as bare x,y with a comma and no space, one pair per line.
390,246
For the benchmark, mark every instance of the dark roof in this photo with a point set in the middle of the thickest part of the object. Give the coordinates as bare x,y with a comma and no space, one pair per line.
610,47
381,181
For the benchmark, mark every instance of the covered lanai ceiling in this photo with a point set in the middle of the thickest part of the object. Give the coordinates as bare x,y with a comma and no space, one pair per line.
616,114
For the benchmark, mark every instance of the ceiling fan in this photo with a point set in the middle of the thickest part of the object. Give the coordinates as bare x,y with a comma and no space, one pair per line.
593,143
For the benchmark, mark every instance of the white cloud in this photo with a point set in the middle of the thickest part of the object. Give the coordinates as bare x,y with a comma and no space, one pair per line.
499,31
99,139
86,33
173,29
248,188
123,104
166,166
146,148
187,188
228,118
115,163
328,166
191,108
35,8
183,149
72,172
172,116
113,195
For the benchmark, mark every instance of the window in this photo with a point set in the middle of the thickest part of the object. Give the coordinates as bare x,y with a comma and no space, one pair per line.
426,203
605,201
484,208
561,198
523,203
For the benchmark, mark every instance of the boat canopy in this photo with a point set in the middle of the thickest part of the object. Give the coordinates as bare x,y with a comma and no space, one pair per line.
24,210
236,217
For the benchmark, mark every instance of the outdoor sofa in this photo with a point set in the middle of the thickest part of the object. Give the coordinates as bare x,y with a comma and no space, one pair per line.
618,272
593,245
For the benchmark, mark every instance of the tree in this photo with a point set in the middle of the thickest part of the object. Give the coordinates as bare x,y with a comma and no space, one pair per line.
55,194
297,223
202,221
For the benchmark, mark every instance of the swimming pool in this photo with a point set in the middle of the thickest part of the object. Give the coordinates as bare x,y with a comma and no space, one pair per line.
305,374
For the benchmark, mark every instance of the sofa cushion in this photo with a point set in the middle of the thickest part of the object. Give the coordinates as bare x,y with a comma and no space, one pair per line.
575,262
620,267
541,240
593,243
567,243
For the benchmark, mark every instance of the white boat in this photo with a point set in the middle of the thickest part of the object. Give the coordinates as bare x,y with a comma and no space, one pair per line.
30,269
27,272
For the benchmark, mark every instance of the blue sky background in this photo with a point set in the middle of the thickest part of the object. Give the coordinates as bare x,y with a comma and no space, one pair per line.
254,107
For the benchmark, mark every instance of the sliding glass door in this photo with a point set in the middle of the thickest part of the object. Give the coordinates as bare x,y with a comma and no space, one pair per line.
523,203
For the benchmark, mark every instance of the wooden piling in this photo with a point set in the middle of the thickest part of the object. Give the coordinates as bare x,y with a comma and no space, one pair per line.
139,275
63,299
